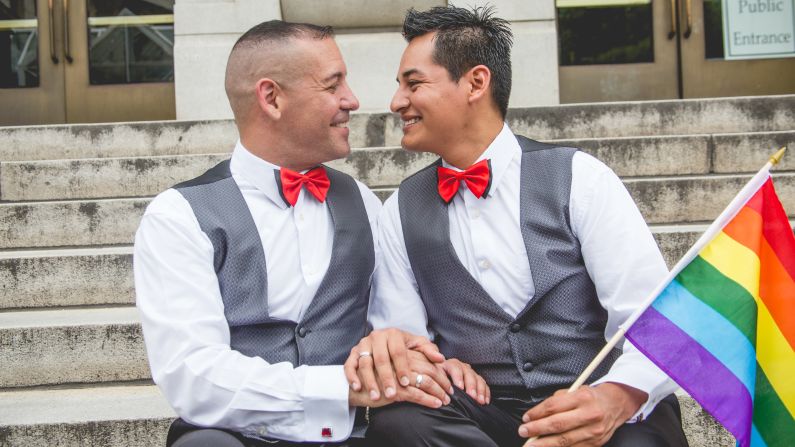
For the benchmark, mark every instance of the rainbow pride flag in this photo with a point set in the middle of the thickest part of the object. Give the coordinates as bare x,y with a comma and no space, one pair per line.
724,326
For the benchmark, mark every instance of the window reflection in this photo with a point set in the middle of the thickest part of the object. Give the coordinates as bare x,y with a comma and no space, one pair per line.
605,32
713,29
131,41
19,44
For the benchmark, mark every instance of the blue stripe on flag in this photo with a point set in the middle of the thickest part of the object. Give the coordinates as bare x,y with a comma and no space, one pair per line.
711,330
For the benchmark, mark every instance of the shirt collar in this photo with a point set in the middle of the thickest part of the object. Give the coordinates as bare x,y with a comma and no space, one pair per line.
257,172
501,152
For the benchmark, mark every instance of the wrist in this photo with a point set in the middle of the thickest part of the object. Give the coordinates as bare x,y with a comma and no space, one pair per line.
628,399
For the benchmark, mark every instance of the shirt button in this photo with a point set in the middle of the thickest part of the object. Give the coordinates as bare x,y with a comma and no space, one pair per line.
263,431
475,214
527,367
516,327
484,264
302,332
300,217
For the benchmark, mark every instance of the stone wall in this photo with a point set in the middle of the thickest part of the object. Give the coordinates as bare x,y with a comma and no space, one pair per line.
368,34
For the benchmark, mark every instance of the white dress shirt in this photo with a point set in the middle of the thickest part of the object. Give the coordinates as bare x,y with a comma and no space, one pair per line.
187,336
620,255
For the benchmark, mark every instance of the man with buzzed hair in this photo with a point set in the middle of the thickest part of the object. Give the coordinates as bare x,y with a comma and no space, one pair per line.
253,279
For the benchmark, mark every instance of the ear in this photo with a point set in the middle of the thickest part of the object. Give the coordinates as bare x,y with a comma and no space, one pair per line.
479,82
270,97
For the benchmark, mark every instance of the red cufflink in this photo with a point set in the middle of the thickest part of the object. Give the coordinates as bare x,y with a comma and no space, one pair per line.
325,432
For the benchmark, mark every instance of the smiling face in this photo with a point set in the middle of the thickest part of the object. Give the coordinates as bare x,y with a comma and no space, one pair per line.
430,104
318,102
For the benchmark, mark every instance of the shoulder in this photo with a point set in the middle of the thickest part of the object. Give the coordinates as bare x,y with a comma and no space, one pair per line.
587,169
169,203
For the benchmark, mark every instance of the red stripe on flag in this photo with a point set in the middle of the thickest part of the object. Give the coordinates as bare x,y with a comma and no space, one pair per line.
756,202
777,229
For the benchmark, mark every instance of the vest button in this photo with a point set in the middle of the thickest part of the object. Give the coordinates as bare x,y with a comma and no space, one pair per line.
302,332
515,327
527,367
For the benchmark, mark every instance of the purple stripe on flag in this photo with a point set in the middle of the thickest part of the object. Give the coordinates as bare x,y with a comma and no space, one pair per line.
707,380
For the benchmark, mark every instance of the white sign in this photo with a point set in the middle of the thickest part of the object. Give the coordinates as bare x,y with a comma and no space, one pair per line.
758,29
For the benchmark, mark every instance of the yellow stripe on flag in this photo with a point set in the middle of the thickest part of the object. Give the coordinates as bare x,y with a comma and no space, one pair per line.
736,261
775,357
773,352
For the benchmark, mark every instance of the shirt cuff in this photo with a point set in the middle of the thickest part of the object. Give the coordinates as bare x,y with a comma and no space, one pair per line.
328,417
640,373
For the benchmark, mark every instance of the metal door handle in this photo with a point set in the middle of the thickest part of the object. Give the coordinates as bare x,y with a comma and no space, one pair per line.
52,33
672,33
688,17
66,47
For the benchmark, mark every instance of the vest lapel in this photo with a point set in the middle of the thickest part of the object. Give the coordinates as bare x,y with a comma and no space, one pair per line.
436,218
537,209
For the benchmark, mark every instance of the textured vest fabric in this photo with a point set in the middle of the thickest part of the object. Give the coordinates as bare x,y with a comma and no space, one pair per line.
335,320
551,341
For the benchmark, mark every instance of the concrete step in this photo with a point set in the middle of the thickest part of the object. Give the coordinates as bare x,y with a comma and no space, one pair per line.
139,416
671,117
73,277
102,276
698,198
675,117
84,345
680,199
114,416
70,223
380,167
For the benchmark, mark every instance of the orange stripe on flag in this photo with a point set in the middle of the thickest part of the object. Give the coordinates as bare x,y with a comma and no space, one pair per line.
776,286
746,228
777,290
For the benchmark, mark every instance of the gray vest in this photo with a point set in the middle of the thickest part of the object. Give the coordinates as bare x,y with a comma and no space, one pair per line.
337,317
561,329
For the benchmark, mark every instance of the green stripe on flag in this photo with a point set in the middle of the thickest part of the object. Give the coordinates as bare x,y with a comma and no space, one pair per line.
724,295
774,423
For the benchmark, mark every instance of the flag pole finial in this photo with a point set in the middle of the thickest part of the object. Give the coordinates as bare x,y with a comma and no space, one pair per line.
778,155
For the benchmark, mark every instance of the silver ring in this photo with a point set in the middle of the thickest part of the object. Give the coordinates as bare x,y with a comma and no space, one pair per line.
418,380
364,354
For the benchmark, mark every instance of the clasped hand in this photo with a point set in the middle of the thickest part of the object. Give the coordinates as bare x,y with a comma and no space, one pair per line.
389,372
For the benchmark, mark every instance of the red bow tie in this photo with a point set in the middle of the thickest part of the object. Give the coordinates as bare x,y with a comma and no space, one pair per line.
315,179
477,177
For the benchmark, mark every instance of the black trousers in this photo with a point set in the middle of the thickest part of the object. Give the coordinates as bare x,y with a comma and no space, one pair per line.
467,423
183,434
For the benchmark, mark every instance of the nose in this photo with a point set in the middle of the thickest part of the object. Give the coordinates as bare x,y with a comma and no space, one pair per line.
399,101
349,100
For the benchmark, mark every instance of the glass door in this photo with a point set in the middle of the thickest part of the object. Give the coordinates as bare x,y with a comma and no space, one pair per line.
31,67
79,61
620,50
120,60
705,72
617,50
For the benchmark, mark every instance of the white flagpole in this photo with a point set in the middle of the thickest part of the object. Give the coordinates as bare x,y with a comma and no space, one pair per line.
717,225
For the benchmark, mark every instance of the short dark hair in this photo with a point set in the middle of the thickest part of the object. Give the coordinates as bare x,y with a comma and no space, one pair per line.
466,38
278,30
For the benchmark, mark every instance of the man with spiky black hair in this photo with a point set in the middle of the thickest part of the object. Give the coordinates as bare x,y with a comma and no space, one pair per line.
517,257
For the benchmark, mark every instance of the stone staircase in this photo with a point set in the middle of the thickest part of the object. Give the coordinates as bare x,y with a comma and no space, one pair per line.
74,366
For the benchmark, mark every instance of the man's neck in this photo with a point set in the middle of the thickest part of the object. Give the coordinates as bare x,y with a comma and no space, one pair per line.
270,151
473,142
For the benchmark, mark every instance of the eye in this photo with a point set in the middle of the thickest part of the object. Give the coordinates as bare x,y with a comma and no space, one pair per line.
413,83
332,88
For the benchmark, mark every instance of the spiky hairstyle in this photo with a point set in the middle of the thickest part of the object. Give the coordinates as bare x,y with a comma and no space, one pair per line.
466,38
